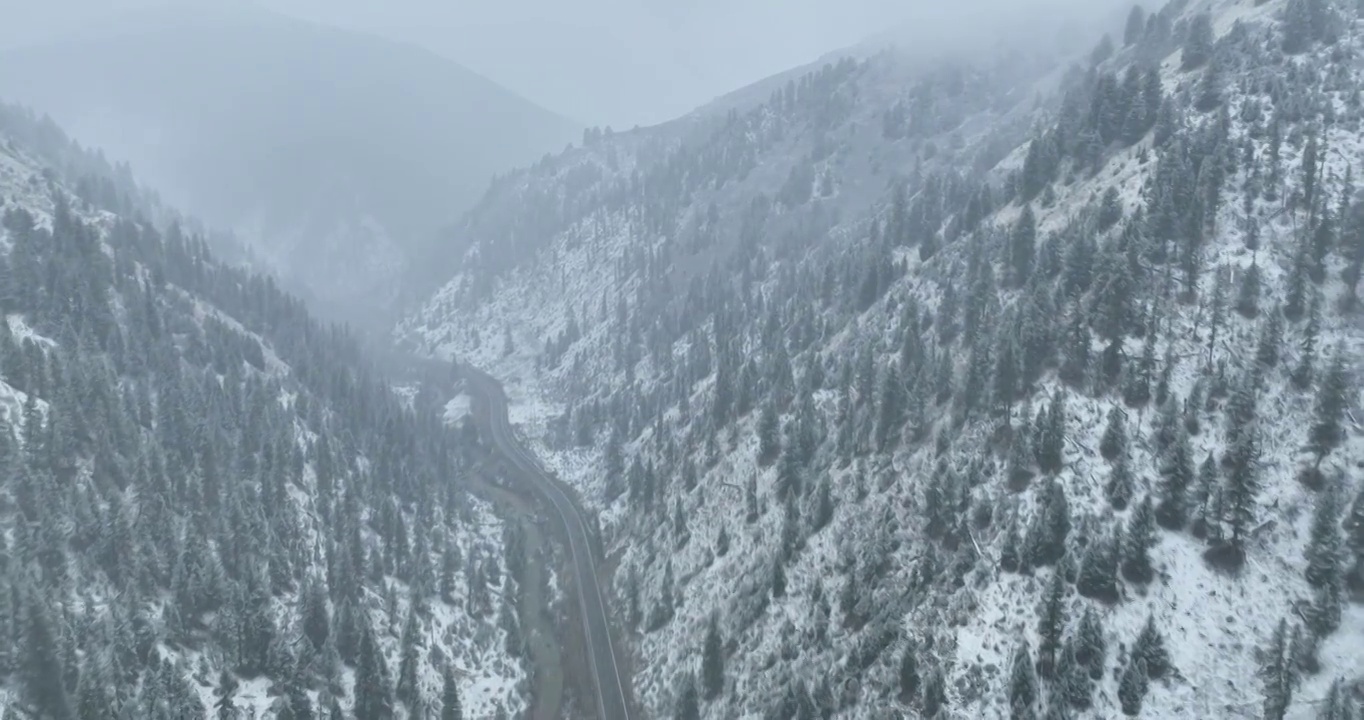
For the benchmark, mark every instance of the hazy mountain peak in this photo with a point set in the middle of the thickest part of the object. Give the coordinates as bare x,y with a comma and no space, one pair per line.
291,133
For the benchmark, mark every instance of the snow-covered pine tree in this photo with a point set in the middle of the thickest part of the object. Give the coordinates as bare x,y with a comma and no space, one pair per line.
1132,686
1332,396
1276,673
1023,690
712,662
1198,42
1051,623
451,708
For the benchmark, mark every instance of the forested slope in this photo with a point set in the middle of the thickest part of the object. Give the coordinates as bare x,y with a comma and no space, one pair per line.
1003,388
211,503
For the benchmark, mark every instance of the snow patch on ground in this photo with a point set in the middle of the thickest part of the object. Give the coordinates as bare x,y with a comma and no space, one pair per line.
458,408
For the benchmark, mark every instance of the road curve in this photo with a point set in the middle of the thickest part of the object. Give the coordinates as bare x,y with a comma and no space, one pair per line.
606,672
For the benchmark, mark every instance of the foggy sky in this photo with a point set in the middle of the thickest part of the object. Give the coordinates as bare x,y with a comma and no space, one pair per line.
618,62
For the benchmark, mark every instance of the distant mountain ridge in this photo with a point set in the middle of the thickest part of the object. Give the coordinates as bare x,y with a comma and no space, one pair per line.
329,152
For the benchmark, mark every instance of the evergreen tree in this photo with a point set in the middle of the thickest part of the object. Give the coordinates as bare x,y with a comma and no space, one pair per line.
1103,51
935,693
892,409
1310,155
1326,433
1216,314
1074,686
297,704
1277,674
1114,440
1241,410
789,476
1271,340
1248,296
928,246
1303,650
1051,526
316,618
1138,541
1198,43
1023,691
1325,544
1205,489
1168,429
1050,623
373,694
1305,371
1099,570
1110,210
1352,241
1136,25
92,694
778,580
1339,705
1090,646
1193,406
1077,356
974,390
1119,487
1006,377
1167,370
1019,468
42,668
1323,616
1354,538
409,662
613,462
1210,86
751,510
1297,27
769,442
1010,553
1137,390
688,705
1242,488
1150,647
1176,477
450,706
1022,247
1296,293
909,674
712,662
1132,686
1052,437
350,629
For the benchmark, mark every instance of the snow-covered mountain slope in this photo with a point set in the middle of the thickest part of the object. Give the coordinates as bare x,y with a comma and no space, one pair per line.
1064,421
210,500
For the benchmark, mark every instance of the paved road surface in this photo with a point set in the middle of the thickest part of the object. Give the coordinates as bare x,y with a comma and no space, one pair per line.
606,673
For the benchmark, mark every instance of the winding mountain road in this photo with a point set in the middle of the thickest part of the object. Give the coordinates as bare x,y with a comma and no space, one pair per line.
491,414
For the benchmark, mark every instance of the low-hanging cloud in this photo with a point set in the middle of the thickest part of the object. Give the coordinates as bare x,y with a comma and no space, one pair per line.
623,62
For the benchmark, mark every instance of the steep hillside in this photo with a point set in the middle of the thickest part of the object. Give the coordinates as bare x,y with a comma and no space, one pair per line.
210,500
333,154
798,160
1014,389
